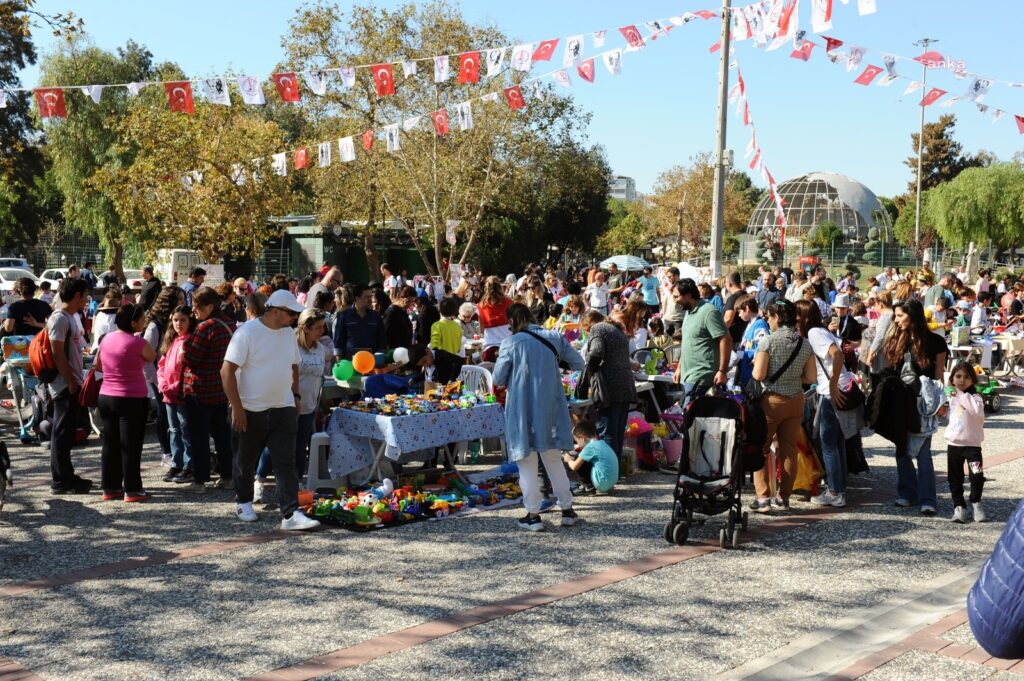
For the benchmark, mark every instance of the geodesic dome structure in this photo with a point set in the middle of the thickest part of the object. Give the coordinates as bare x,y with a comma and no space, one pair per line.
814,198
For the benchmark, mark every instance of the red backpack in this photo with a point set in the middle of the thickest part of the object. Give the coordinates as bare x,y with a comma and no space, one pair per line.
40,356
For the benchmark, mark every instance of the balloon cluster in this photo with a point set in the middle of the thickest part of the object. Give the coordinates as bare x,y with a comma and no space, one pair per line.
364,362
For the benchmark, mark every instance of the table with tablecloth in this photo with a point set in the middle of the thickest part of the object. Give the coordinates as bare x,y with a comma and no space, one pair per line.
362,440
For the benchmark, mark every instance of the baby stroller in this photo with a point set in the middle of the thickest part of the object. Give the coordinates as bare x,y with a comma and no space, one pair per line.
710,474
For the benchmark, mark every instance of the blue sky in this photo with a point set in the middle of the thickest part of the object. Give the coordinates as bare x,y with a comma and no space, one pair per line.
661,110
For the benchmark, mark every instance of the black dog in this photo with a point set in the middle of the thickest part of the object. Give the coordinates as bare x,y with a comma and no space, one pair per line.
6,479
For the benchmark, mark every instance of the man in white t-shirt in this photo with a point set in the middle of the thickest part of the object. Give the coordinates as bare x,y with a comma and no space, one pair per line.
261,380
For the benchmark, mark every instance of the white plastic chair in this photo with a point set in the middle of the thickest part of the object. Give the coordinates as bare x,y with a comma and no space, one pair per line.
477,379
316,477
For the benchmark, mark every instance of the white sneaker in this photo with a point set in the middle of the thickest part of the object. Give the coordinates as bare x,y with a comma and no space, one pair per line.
959,515
829,499
166,461
299,521
257,492
978,512
245,513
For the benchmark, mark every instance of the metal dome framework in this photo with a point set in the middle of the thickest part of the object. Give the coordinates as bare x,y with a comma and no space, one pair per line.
814,198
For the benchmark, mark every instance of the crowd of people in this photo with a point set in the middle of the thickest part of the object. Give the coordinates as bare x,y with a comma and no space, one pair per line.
241,365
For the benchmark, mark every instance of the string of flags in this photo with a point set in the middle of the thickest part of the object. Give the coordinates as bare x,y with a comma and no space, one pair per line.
290,86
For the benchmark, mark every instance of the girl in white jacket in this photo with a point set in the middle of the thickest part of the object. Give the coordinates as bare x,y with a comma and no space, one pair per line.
964,435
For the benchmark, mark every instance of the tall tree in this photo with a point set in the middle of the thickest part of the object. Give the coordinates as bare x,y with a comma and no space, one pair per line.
981,204
943,157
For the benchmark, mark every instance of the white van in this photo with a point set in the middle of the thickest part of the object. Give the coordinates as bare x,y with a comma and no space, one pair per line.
173,265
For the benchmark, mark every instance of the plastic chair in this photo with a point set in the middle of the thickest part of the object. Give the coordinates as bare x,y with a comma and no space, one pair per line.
316,476
672,353
476,379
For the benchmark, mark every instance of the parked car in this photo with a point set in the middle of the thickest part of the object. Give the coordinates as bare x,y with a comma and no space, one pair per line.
54,276
8,276
134,280
19,263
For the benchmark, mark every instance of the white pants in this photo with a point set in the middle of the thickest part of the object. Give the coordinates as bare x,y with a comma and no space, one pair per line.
529,480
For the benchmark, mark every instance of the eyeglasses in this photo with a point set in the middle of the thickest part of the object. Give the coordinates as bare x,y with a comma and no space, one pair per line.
290,313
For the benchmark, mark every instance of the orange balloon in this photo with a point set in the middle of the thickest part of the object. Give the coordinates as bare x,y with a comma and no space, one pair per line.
364,362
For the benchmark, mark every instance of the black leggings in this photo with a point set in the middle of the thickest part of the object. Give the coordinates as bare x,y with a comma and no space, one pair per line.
124,428
956,457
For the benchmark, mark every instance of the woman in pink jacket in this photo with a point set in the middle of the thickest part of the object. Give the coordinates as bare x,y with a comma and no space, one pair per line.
169,373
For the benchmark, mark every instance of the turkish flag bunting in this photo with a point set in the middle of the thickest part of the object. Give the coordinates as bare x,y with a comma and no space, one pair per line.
1020,123
384,79
368,140
51,102
706,14
632,36
469,67
440,122
287,86
803,53
514,97
586,70
545,50
746,113
301,158
716,47
755,160
931,59
787,15
179,96
934,95
869,74
832,43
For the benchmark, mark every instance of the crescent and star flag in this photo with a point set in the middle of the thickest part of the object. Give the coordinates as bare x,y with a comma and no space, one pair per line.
179,96
286,85
348,76
832,43
279,164
978,89
93,92
869,74
51,102
465,115
934,95
855,57
586,70
346,149
368,140
495,58
562,78
323,154
384,79
545,50
803,53
251,89
514,97
821,15
316,81
632,36
930,59
440,118
573,50
469,67
441,71
408,68
865,7
393,138
598,37
301,158
216,91
522,57
613,61
1020,123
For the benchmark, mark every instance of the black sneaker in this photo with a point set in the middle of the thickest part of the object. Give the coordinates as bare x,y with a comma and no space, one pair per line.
83,482
583,490
184,477
569,517
531,522
75,488
171,474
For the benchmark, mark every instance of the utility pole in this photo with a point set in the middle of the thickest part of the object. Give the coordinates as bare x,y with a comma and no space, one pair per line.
718,197
923,43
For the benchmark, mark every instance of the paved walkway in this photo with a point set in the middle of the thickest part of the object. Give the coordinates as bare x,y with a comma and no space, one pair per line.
178,589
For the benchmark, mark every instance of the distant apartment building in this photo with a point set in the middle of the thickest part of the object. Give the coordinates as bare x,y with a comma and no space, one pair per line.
622,187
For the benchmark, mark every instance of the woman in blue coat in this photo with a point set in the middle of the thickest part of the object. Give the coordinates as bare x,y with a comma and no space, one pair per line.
995,606
537,424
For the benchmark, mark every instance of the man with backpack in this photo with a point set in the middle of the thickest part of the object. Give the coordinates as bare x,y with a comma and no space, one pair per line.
66,339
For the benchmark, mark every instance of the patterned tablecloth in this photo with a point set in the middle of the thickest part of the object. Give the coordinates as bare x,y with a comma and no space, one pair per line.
351,432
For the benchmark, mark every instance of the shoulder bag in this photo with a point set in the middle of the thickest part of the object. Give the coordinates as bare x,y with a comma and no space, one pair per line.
753,391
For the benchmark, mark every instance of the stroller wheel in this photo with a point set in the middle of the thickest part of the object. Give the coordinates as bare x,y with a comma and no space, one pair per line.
743,522
723,538
735,539
668,533
680,534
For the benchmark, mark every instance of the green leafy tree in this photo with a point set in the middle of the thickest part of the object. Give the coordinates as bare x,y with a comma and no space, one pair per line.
981,204
630,235
825,235
904,228
943,157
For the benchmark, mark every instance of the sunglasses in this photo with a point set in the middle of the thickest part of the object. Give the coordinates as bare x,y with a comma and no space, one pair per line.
290,313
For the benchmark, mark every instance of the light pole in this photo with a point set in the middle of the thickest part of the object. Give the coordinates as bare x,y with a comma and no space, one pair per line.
718,197
924,43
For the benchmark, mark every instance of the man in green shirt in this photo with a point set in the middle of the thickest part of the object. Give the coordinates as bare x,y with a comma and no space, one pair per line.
706,343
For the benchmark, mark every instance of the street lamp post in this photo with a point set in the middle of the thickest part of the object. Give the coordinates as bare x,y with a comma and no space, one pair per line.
718,197
924,43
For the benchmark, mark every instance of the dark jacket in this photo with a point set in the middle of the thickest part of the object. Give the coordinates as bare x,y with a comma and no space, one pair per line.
397,327
353,333
892,411
995,605
425,320
149,291
608,362
447,368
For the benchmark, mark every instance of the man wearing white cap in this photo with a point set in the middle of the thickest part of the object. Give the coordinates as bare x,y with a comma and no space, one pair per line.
846,328
261,380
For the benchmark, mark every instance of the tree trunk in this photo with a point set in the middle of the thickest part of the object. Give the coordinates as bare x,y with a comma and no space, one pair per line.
369,234
439,250
117,258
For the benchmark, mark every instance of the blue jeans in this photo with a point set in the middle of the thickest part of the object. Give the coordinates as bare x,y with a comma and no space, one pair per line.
917,487
181,447
306,426
833,446
611,424
201,422
162,426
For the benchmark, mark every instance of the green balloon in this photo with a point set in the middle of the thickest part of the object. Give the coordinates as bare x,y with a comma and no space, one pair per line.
343,370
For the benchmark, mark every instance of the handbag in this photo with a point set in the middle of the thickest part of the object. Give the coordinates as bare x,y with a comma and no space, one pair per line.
852,398
754,390
89,394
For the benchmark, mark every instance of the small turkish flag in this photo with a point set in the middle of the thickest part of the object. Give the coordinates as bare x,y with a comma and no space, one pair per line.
803,53
469,67
1020,123
632,36
716,47
545,50
934,95
870,73
756,160
179,96
787,15
706,14
301,158
384,79
514,97
931,59
440,118
832,43
287,86
368,140
586,70
51,102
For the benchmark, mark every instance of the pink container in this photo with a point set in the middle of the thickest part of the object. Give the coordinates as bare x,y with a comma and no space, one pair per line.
673,450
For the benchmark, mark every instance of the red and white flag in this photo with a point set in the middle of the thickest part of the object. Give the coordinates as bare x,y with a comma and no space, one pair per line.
598,37
384,79
931,59
51,102
978,89
716,47
316,80
632,36
562,78
301,158
495,59
787,26
854,57
586,70
913,87
746,113
522,57
803,53
440,118
1020,123
613,61
179,96
514,97
469,67
368,140
441,71
545,50
821,15
251,89
756,160
752,144
287,86
869,75
706,14
346,149
832,43
934,95
573,50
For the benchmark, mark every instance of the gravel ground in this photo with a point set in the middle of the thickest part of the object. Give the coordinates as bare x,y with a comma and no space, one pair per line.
307,595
